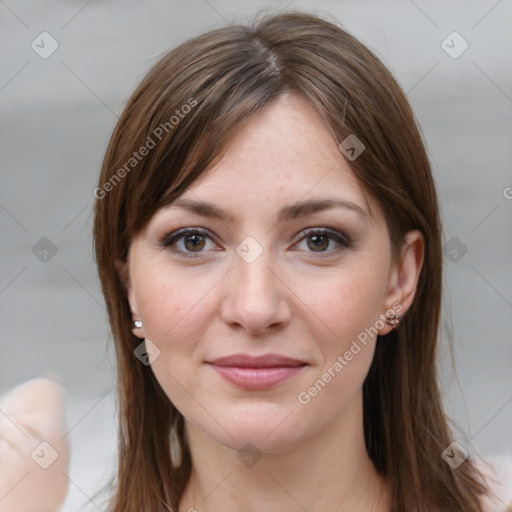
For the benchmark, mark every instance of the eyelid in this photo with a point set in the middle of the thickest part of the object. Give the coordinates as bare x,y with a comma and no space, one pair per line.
333,233
170,238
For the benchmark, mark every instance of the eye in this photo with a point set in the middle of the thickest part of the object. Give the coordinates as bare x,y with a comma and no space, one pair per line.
192,242
318,241
187,241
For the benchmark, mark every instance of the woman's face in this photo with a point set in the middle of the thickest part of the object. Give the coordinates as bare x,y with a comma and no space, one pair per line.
262,281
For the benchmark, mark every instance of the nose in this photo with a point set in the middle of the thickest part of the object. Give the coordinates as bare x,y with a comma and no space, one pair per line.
256,298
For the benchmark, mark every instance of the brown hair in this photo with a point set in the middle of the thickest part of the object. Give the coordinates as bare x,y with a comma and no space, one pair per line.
224,77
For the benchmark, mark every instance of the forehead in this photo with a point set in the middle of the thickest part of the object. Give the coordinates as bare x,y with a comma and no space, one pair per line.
285,149
284,158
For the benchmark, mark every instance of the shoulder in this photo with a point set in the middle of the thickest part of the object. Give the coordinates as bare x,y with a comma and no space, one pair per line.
497,471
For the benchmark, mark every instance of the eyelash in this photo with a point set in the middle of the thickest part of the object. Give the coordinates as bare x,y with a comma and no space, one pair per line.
169,239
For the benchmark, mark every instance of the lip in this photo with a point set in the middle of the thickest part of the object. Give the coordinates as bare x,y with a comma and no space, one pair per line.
265,361
256,372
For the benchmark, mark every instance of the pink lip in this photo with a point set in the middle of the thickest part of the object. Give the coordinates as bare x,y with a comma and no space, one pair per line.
252,372
248,361
256,378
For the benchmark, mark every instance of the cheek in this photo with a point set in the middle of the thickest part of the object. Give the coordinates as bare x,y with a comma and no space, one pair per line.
344,302
173,306
346,307
170,302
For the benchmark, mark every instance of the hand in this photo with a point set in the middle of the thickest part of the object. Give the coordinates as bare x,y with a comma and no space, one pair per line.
34,455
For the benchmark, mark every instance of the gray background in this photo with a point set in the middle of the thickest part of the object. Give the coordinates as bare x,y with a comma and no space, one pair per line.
57,115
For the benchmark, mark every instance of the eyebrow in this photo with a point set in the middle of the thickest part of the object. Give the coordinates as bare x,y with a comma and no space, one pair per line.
290,212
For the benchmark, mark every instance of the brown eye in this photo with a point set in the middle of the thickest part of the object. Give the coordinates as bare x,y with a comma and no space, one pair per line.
319,240
194,242
188,242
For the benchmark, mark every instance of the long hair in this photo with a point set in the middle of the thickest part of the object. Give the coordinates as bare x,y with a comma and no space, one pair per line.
184,112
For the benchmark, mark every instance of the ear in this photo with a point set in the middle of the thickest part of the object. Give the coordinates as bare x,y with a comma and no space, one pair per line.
404,276
122,268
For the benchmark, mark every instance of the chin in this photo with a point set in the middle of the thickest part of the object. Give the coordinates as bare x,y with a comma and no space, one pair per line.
252,439
267,426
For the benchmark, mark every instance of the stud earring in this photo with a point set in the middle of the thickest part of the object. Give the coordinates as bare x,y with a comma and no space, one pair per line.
393,320
137,324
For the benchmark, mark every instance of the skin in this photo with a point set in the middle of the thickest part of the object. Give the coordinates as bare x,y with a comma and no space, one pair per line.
301,298
34,451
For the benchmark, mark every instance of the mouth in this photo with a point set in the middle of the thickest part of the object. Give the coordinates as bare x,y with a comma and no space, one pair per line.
265,361
257,372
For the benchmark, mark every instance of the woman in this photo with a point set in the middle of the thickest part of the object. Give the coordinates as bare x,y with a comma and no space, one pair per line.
266,201
269,248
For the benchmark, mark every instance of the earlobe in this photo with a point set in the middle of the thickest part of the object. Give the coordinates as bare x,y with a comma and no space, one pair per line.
124,276
405,275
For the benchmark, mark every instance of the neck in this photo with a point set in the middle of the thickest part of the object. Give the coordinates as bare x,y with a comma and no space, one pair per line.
329,471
